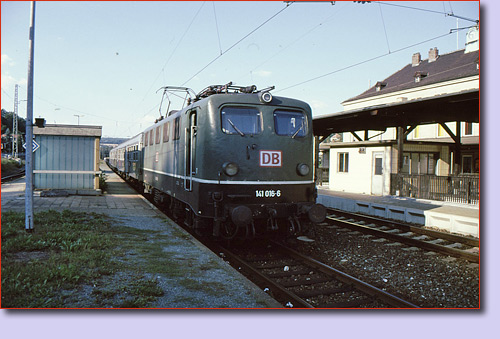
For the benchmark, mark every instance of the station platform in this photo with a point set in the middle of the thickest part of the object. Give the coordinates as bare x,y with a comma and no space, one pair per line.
451,217
130,209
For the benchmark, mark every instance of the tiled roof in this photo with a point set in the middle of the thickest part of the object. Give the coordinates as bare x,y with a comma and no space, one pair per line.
446,67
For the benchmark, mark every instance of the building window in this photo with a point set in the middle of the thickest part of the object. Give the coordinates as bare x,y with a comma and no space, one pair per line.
406,163
468,128
378,166
420,163
343,162
467,164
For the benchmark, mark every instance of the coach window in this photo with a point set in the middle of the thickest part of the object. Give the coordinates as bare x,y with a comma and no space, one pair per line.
290,123
241,120
166,127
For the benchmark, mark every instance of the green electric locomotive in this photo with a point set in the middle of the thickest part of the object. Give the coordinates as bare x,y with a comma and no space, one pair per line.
234,162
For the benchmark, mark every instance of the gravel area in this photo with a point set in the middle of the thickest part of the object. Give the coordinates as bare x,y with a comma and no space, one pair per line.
426,279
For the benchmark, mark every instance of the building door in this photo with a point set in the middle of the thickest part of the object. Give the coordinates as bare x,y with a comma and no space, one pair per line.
378,173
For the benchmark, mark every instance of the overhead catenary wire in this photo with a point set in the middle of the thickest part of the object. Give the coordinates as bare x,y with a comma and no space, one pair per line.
236,43
217,27
329,18
172,54
364,62
156,106
428,10
74,109
385,30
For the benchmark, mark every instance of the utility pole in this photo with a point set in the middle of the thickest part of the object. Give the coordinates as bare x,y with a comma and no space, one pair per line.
29,226
14,124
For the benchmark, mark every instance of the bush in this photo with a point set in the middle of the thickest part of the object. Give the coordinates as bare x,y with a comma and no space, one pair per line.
10,166
103,185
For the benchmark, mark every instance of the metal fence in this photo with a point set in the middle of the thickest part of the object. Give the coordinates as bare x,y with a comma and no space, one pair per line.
461,189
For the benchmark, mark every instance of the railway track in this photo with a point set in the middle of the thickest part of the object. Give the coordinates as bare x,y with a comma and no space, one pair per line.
13,176
444,243
299,281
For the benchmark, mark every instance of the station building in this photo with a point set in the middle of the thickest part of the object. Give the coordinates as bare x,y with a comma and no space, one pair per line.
414,134
67,158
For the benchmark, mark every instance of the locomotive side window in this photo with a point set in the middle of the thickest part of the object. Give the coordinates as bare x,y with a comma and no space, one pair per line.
166,127
158,131
241,120
177,129
290,123
146,136
151,137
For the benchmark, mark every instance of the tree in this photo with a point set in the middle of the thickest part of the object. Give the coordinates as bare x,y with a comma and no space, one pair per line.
7,119
7,129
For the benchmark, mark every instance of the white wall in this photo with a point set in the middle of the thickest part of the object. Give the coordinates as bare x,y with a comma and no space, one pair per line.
359,177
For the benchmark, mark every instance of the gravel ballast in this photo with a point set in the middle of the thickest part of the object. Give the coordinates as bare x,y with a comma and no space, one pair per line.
426,279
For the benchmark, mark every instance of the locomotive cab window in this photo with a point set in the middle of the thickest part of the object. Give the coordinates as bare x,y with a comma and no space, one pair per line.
241,120
290,123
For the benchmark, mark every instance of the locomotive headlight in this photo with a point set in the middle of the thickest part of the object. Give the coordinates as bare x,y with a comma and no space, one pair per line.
230,168
303,169
265,97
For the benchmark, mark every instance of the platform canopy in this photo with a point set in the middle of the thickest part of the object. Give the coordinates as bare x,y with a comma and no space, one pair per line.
462,106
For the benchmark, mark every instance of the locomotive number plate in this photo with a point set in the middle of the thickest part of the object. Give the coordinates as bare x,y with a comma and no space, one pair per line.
267,193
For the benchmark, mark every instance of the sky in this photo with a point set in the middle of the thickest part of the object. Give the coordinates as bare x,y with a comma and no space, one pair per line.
102,63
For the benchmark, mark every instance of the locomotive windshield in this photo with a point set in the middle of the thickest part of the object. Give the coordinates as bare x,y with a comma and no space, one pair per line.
291,123
241,120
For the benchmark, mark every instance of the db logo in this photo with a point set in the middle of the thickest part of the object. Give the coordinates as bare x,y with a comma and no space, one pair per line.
270,159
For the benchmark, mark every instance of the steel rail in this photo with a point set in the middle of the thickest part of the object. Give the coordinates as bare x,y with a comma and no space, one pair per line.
13,176
282,292
472,257
348,279
408,228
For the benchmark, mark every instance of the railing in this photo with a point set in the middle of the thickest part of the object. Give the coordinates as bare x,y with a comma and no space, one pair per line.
462,189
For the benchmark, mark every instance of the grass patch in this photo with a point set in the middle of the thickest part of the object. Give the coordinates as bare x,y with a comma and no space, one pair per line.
212,288
73,259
